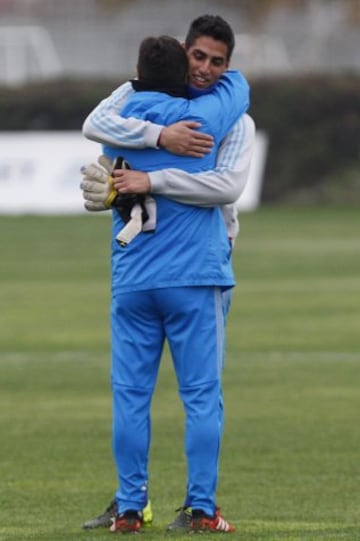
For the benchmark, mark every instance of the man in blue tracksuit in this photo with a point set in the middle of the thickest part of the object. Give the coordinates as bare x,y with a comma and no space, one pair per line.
168,284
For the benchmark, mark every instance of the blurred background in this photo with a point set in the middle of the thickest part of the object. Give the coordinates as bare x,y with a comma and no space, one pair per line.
58,59
290,466
100,37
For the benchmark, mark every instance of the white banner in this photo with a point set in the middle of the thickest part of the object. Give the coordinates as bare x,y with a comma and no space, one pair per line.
40,172
251,196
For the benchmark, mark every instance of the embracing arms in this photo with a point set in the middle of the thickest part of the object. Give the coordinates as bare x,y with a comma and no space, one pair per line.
220,186
105,125
217,187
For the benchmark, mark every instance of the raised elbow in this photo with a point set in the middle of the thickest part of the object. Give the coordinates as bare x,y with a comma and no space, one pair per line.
87,129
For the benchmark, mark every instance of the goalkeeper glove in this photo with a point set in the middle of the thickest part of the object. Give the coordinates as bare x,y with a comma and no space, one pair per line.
97,185
124,203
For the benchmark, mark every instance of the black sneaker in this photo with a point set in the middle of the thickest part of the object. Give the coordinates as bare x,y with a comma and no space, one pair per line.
128,522
182,521
104,520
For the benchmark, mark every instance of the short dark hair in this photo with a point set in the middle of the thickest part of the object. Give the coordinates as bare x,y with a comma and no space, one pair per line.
213,26
162,60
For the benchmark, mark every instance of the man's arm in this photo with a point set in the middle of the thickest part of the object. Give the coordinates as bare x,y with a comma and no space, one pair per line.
220,186
105,125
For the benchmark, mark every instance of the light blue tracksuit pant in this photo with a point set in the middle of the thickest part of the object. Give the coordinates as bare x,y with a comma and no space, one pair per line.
192,321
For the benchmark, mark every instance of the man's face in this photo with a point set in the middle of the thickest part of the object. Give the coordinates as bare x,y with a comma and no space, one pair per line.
207,61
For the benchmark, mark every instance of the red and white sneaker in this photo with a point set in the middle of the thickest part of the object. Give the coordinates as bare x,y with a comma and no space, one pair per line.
200,522
128,522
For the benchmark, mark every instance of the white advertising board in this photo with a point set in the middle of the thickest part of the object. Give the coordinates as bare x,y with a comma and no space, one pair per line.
40,172
250,197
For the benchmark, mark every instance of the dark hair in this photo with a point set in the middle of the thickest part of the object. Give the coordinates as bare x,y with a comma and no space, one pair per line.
213,26
162,61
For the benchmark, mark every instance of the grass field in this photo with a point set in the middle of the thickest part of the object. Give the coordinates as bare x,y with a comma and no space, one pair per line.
290,466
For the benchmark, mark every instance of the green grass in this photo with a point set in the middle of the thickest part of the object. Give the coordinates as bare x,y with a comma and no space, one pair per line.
290,467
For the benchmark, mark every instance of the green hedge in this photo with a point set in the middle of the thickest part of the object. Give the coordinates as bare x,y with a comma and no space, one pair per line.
313,124
314,128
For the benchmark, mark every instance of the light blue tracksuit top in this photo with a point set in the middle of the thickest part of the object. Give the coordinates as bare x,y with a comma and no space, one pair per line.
190,246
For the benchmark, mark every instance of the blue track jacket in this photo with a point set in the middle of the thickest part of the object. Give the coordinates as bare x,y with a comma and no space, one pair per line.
190,246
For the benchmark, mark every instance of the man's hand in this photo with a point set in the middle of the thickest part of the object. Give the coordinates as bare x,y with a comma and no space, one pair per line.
182,139
129,181
97,185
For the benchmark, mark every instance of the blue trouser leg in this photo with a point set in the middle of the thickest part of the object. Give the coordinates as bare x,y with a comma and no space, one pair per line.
192,318
195,331
202,444
137,342
226,298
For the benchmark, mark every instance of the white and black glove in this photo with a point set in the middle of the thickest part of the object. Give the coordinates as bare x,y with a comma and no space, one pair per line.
97,185
142,217
138,211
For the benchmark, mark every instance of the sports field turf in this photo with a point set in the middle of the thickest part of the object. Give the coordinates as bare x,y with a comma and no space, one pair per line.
290,466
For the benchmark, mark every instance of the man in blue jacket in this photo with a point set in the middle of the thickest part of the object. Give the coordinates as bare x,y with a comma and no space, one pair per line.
168,285
170,274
